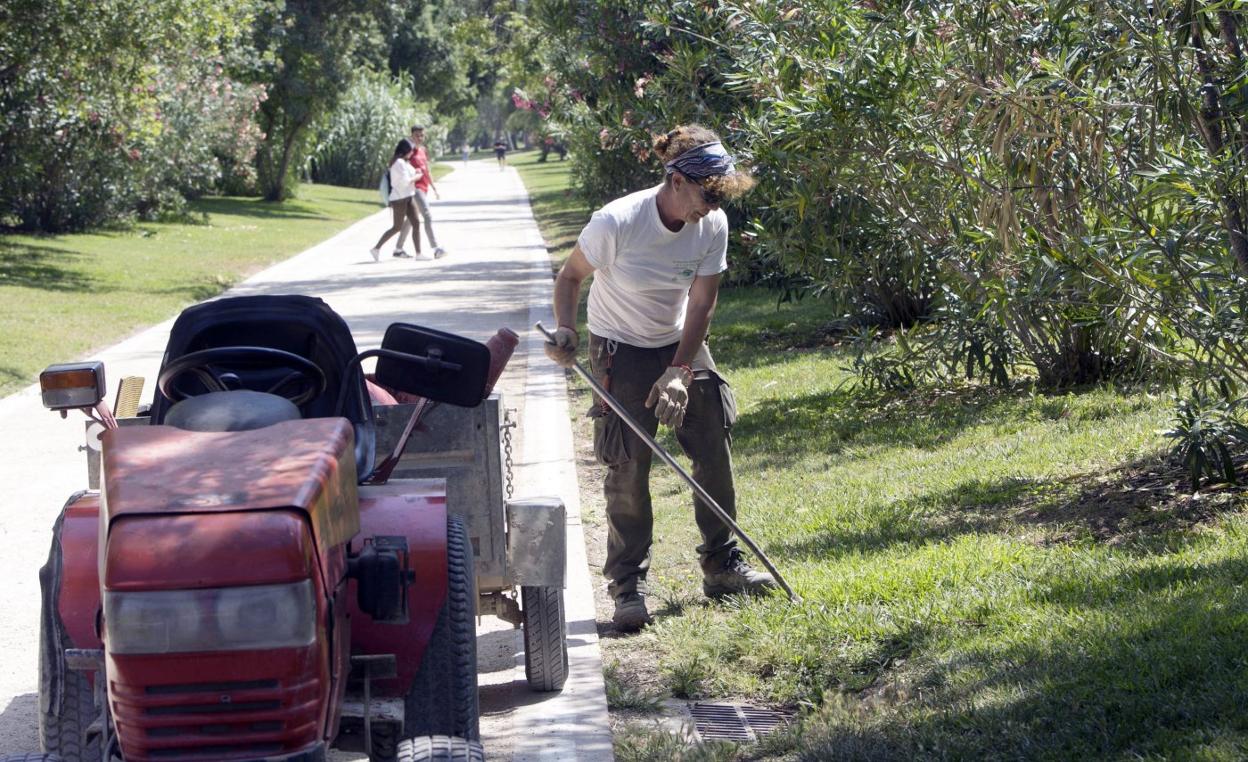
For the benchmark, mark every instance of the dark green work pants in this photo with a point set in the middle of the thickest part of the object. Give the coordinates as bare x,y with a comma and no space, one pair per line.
629,372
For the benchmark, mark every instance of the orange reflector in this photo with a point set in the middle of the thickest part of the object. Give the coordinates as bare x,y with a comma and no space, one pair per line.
67,379
72,385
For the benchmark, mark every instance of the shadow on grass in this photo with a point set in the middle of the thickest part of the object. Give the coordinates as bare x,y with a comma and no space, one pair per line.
976,505
827,422
47,268
1140,507
11,377
197,291
753,328
250,207
1150,665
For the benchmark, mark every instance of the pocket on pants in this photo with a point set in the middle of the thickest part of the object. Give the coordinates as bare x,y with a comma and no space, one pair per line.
729,400
610,447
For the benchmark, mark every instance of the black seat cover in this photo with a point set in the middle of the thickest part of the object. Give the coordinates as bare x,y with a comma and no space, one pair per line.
238,410
304,325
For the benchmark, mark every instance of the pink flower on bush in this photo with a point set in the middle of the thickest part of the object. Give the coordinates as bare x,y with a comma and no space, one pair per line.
604,137
639,88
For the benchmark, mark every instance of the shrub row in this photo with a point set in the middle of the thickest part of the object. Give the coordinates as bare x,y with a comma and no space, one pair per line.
1046,182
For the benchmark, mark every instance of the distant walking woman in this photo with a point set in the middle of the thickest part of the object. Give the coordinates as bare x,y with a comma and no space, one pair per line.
403,177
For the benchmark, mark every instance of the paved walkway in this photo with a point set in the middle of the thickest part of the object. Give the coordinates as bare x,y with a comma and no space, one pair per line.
497,274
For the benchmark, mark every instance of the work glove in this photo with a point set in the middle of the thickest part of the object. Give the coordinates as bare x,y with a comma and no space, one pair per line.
562,348
670,396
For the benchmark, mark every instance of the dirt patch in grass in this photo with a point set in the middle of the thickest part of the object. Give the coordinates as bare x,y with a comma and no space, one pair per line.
1144,498
794,337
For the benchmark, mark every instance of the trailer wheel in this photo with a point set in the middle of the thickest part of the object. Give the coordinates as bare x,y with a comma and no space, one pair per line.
385,742
440,749
545,637
442,700
61,735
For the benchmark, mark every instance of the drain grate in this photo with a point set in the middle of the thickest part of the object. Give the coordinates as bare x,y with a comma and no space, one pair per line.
734,722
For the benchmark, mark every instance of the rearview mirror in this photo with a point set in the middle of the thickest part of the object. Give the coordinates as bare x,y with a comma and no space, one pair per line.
440,366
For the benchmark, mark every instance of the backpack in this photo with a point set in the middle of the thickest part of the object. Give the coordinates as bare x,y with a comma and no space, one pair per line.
383,187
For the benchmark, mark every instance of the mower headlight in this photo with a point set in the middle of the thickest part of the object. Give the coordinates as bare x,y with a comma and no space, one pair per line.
221,619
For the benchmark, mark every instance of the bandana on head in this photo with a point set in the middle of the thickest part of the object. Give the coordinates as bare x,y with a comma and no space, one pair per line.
701,162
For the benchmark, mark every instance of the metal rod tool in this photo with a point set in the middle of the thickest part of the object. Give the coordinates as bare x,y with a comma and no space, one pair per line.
669,460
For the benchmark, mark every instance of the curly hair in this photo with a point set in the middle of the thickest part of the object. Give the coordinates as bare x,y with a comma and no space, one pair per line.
686,136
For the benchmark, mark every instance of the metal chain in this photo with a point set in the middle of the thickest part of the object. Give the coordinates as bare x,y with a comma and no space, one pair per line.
508,424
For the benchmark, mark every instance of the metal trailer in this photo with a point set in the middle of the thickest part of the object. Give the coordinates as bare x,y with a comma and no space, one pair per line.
519,545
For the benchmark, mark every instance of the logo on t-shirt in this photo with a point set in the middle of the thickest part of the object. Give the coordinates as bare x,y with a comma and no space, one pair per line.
685,268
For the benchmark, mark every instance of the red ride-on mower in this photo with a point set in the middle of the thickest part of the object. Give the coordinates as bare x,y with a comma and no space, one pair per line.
249,582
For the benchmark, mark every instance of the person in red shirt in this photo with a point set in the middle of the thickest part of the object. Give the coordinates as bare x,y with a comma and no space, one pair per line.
420,160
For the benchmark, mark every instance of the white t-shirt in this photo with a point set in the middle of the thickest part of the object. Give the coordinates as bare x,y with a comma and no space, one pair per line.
403,177
643,271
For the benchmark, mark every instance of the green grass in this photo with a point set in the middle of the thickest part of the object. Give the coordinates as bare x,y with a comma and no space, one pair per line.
64,296
985,574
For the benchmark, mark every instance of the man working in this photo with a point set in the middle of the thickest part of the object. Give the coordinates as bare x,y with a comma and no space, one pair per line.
420,160
657,257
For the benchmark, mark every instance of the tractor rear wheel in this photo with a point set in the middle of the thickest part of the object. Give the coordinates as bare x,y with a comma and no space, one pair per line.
442,700
545,637
62,735
440,749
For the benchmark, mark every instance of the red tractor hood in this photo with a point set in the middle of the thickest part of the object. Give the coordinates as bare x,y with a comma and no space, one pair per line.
306,465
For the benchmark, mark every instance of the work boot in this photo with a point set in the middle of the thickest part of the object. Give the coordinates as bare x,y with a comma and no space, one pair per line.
735,576
630,612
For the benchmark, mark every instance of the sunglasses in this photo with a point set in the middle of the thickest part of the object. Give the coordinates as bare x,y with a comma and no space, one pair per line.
711,197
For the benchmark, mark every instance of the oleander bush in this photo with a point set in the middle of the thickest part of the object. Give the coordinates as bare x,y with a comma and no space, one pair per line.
1065,179
105,115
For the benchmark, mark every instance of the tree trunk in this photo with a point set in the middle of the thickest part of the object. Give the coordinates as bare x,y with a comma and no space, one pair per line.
277,185
1210,122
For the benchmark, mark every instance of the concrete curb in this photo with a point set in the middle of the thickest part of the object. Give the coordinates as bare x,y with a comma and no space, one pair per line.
573,725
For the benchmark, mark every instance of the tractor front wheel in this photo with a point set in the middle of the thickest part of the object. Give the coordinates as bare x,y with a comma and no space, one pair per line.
440,749
62,734
442,700
545,637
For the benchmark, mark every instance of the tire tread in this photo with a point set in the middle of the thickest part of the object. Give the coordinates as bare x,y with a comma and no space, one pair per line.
62,735
545,638
443,700
440,749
